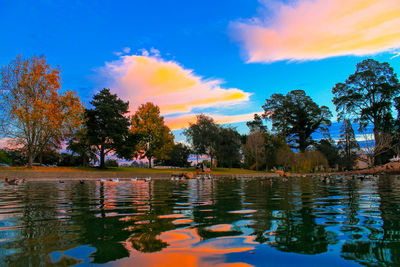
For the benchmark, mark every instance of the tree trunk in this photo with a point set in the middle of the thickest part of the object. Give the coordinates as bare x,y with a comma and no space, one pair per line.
102,156
30,159
149,158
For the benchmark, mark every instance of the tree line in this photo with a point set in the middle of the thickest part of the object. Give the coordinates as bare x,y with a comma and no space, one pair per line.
39,119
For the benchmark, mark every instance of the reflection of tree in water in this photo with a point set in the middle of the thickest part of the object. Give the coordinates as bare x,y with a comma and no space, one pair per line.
299,233
261,196
43,231
292,224
107,233
144,235
382,245
225,197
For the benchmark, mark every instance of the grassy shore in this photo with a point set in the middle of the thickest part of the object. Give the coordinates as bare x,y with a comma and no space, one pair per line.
45,173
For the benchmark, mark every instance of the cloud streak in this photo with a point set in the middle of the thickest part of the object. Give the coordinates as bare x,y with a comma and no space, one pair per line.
317,29
148,77
181,122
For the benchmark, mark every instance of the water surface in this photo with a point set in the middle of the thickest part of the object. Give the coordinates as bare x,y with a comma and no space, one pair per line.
243,222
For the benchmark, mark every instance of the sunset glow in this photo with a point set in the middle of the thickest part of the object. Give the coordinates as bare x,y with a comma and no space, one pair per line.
310,30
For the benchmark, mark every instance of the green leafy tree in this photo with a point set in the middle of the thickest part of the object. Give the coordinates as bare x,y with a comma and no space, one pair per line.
108,126
80,145
296,116
367,96
4,158
157,140
256,124
329,150
177,157
348,145
228,148
203,135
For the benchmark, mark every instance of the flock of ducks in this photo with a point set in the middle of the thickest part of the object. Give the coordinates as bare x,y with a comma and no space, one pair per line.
327,179
206,176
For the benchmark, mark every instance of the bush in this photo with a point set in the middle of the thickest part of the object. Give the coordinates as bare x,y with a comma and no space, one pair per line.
4,158
308,161
111,163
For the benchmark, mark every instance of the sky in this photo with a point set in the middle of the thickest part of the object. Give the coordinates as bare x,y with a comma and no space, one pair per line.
222,58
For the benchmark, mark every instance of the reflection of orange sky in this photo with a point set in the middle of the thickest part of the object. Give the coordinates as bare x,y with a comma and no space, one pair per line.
220,228
186,249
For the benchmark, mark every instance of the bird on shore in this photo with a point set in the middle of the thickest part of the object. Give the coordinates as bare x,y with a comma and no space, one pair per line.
134,179
14,181
148,179
116,180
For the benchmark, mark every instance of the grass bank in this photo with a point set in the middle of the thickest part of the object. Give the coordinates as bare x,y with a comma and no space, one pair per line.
39,173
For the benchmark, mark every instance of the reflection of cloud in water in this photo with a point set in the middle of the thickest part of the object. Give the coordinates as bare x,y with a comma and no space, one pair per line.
186,248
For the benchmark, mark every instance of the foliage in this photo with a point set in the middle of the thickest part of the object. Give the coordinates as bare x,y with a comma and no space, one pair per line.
256,124
67,159
177,157
4,158
34,113
348,146
202,135
308,161
108,128
111,163
157,140
296,116
329,150
17,156
227,149
368,96
80,144
254,150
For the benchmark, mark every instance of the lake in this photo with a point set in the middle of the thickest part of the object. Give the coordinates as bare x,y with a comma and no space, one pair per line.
222,222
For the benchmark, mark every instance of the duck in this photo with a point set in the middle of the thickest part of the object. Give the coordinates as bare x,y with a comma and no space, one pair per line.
116,180
134,179
14,181
148,179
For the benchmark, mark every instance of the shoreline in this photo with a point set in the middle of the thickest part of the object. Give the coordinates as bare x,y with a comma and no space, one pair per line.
31,175
56,174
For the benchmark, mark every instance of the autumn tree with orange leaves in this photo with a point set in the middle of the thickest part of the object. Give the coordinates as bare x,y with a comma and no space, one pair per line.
157,139
34,114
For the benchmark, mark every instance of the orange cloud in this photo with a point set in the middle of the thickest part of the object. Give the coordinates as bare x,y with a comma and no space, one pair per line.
316,29
142,78
183,121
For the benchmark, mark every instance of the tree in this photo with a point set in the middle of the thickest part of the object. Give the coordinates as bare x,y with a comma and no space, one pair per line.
108,127
228,146
296,116
254,150
202,135
177,157
348,145
329,150
4,158
34,113
80,144
157,140
367,96
256,124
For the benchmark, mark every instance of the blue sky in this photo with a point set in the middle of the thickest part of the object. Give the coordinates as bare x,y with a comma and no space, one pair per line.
236,53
